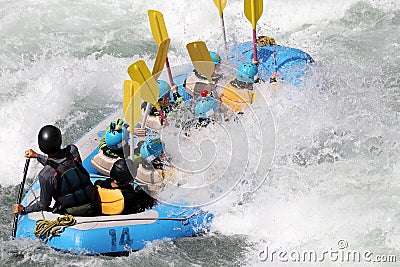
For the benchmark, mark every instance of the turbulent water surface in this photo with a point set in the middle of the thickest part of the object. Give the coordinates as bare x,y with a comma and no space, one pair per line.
335,177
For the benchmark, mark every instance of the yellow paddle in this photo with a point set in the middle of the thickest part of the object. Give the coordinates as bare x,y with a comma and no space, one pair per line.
160,58
131,105
128,94
159,31
253,10
220,4
131,108
149,91
201,58
157,25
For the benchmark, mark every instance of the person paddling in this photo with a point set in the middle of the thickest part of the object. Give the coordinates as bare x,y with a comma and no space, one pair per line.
239,93
196,83
63,178
154,121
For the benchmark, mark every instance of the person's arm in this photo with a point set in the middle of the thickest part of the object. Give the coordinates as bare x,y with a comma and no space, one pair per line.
32,154
46,190
139,132
42,159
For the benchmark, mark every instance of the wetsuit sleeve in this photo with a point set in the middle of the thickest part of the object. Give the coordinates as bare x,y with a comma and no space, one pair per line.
42,159
46,190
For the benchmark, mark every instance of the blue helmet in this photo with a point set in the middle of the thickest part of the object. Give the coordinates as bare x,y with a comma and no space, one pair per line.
246,72
116,136
215,57
164,88
151,149
205,107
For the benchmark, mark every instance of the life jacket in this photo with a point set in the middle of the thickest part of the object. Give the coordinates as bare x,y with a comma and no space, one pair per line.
112,201
154,175
195,83
237,95
153,122
74,187
103,163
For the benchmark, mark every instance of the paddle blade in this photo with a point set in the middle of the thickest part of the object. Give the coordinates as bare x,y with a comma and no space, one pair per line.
128,93
140,73
253,10
220,4
157,25
132,111
201,58
160,58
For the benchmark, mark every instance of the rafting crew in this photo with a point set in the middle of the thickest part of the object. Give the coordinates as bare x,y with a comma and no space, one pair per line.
196,83
63,178
154,120
117,193
239,92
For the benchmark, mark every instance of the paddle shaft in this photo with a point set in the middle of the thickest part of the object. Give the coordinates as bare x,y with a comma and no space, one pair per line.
146,114
255,44
171,80
21,189
163,117
223,33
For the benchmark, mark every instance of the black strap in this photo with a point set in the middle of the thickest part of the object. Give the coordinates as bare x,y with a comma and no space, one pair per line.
242,85
198,75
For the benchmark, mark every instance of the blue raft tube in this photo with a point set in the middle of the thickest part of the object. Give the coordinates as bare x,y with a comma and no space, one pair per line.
120,234
116,234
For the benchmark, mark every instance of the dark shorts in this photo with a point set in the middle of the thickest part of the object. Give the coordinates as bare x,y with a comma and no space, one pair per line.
86,210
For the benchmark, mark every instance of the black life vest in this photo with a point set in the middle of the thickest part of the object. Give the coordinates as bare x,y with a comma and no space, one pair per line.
74,187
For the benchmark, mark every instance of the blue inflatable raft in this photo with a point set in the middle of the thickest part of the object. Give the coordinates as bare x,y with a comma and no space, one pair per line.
117,234
291,64
123,233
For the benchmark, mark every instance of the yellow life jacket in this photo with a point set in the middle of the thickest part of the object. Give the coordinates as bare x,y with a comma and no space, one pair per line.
236,98
112,201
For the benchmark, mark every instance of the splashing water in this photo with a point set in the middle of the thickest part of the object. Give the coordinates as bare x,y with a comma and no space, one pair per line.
335,169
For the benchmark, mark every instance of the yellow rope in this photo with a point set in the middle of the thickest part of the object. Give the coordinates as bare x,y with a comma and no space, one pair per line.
265,40
46,229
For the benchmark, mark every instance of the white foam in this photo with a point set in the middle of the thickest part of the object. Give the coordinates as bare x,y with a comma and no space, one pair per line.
335,173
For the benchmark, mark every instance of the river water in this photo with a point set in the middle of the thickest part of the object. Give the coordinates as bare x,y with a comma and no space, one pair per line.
335,178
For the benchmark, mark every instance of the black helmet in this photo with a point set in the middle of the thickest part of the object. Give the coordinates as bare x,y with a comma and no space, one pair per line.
49,139
121,173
